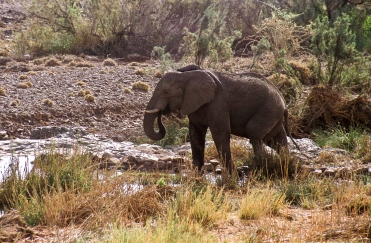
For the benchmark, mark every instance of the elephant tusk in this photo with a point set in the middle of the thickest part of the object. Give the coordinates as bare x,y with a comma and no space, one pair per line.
152,111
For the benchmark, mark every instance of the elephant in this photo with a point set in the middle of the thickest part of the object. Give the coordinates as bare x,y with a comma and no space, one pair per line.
246,105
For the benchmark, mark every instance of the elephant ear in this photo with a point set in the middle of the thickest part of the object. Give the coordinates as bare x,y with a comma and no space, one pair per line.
199,89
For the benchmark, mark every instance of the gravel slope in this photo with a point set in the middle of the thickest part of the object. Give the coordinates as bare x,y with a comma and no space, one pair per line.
114,113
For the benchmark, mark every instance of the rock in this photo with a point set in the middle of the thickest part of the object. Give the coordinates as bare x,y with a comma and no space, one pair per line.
343,173
3,135
147,166
110,163
131,158
361,171
47,132
107,155
118,139
218,171
214,162
159,165
329,172
243,168
208,167
316,172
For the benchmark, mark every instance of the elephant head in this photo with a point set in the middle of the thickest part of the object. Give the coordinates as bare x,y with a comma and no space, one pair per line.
185,91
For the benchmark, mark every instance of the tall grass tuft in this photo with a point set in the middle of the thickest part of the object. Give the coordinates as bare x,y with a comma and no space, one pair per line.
338,137
311,192
261,202
204,206
170,229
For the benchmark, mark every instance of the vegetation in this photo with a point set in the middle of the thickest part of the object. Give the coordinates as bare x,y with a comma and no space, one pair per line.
67,189
2,91
48,102
317,54
140,85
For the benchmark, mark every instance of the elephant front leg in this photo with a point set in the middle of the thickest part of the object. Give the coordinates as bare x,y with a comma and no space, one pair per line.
222,143
197,136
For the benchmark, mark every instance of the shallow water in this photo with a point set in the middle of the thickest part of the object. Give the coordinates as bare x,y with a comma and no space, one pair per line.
22,163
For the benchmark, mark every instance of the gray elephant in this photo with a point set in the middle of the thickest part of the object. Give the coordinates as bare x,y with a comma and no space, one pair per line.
246,105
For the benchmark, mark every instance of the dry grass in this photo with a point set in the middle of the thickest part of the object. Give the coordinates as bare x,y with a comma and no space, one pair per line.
83,92
2,91
23,77
158,74
239,149
16,102
52,62
140,72
38,61
205,206
25,85
329,108
134,64
193,211
48,102
84,64
89,98
127,91
81,83
304,73
102,72
261,202
109,62
139,85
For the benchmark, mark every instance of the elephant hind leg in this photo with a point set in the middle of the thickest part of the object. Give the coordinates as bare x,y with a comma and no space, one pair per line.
257,130
278,142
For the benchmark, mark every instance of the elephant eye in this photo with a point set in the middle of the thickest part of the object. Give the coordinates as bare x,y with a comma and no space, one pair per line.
166,92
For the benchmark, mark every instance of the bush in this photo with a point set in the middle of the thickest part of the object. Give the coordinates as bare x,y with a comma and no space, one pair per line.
210,40
177,132
338,137
334,45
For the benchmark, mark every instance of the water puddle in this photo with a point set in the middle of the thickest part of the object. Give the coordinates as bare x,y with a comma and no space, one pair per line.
20,163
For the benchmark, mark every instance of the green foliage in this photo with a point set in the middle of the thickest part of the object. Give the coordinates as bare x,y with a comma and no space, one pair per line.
52,173
366,33
338,137
42,40
310,192
262,46
161,182
177,132
166,61
210,40
334,45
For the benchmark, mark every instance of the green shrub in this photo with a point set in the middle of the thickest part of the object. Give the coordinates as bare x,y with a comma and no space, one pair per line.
177,132
166,62
338,137
334,45
210,40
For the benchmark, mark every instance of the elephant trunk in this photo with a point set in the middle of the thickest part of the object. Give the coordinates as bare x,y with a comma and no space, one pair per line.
148,125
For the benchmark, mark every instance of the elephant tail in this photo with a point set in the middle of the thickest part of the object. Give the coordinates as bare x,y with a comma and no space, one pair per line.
286,114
